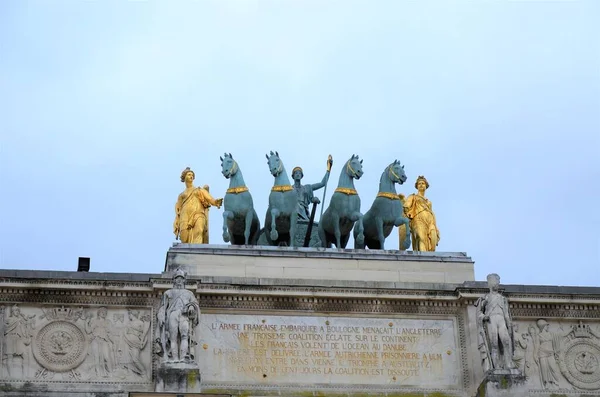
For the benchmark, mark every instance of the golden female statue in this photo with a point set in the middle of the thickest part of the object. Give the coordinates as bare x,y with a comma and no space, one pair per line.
423,227
191,211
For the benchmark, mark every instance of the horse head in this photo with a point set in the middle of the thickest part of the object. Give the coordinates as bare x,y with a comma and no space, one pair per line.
396,173
275,164
228,165
354,167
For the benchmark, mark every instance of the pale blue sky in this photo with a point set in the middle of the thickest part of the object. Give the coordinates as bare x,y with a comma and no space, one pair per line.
102,104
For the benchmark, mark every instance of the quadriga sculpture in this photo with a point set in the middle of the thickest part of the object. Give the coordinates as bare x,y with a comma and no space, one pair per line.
282,214
344,209
240,222
386,211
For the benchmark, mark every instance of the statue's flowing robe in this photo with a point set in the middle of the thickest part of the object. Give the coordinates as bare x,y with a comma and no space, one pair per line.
191,209
17,336
102,346
135,339
422,223
544,350
305,196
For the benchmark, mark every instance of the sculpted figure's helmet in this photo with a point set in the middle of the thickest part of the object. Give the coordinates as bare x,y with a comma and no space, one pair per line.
298,169
541,323
179,273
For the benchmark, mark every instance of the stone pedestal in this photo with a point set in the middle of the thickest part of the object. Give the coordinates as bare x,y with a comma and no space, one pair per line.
178,377
320,263
505,383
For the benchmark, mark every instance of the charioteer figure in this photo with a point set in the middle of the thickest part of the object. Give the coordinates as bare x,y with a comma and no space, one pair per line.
305,193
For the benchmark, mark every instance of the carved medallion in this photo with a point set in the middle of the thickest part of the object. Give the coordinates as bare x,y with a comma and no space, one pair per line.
579,359
60,346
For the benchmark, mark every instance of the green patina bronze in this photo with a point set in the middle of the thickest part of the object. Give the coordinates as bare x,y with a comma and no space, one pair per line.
305,193
282,214
386,211
240,222
344,209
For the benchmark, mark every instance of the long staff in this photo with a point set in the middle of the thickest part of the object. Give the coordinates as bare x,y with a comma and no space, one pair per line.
329,164
310,225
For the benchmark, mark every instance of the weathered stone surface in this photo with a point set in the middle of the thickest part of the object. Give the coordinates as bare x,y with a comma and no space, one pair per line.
74,344
320,263
177,318
329,351
557,355
505,383
494,325
178,377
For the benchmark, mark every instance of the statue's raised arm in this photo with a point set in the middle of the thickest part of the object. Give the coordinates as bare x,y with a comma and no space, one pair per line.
319,185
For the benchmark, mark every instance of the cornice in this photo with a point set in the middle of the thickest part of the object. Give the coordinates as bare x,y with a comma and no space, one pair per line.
548,297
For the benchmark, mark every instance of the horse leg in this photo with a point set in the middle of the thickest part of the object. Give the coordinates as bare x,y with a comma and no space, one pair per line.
323,235
357,246
227,215
248,226
293,223
403,221
274,214
344,240
379,227
357,217
335,218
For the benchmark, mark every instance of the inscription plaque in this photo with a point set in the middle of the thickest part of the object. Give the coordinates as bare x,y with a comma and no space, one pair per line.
329,350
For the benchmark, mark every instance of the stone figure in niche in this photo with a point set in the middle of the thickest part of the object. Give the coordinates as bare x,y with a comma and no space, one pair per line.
136,338
18,331
191,211
305,192
495,333
423,226
102,346
178,316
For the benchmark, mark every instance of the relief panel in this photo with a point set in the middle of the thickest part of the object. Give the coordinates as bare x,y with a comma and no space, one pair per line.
558,355
70,343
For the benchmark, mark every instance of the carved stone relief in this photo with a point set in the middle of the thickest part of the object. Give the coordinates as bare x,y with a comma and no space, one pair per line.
18,332
559,354
66,343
